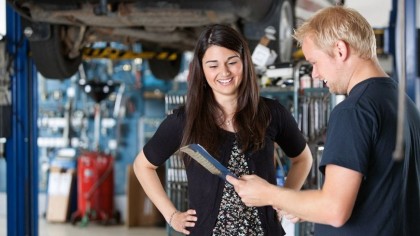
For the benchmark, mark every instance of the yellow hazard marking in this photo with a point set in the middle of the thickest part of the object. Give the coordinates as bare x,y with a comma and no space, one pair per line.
116,54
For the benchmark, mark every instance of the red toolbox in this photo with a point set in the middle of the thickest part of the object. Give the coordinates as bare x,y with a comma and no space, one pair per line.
95,188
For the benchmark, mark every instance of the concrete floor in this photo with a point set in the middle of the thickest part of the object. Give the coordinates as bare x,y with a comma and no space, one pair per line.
67,229
49,229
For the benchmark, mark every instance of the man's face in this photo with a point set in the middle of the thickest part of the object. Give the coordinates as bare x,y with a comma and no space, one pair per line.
325,67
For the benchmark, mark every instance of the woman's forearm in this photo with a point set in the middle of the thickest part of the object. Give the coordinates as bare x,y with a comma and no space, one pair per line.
152,186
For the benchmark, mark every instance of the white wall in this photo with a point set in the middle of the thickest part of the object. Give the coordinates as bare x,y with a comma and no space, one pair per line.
2,18
376,12
3,204
418,13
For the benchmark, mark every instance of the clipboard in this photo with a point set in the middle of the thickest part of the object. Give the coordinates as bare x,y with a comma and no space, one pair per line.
200,154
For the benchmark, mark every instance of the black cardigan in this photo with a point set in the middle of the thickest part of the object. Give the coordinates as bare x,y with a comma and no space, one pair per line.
205,189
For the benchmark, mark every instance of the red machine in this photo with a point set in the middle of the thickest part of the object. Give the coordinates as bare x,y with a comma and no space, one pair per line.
95,169
95,188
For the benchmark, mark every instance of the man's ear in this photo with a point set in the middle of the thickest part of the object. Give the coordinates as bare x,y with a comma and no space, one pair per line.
341,50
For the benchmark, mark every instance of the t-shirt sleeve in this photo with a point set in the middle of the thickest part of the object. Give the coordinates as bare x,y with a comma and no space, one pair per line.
348,142
287,133
166,140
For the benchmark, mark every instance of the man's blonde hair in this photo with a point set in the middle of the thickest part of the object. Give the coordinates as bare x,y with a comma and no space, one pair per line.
335,23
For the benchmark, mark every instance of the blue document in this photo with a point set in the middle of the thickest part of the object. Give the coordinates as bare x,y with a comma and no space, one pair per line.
198,153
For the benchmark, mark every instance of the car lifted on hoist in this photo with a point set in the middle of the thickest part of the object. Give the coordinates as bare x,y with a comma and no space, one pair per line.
59,31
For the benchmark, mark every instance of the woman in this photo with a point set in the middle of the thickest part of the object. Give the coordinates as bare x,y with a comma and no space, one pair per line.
224,113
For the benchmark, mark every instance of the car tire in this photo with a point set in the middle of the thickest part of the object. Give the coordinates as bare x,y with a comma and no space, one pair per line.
50,57
282,18
284,43
164,69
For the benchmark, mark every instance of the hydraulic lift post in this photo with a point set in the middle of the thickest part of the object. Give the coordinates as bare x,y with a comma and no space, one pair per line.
21,147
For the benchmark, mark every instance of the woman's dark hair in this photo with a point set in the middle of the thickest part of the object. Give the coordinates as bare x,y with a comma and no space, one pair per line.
203,113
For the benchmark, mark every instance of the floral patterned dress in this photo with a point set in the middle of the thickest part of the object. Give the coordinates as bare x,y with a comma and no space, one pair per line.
234,217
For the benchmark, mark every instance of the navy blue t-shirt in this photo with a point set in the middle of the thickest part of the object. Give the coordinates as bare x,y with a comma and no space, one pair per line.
361,136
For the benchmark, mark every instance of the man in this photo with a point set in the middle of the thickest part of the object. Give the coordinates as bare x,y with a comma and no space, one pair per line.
365,190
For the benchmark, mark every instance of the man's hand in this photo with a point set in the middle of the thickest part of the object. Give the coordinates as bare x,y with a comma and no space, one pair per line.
253,190
284,214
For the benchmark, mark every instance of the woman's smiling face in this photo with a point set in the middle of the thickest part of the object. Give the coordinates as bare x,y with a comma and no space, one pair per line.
223,69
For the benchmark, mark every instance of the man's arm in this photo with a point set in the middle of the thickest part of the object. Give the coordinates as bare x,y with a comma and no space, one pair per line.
331,205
